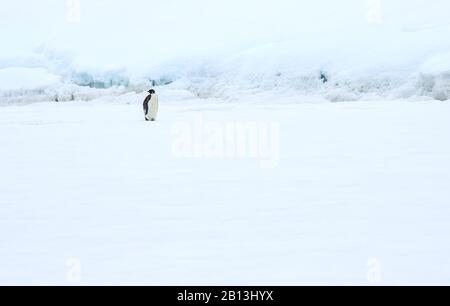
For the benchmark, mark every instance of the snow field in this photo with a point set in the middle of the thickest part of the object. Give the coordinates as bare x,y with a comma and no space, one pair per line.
359,195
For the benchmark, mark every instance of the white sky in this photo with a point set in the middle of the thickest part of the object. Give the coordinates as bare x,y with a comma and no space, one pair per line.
112,32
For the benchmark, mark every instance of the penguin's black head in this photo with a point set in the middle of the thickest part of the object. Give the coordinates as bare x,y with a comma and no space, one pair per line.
152,91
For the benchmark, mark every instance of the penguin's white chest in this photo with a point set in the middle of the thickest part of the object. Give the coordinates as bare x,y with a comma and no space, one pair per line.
154,107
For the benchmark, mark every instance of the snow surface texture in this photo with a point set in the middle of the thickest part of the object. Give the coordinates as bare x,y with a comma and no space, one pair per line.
357,194
92,194
365,50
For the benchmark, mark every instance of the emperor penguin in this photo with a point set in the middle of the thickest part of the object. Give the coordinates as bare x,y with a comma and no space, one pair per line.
151,105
